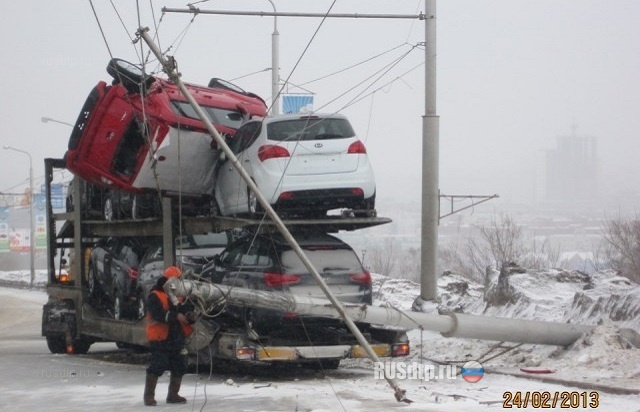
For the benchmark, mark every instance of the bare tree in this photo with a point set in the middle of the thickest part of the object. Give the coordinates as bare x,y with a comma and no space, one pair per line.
383,259
622,239
503,237
541,255
500,242
410,264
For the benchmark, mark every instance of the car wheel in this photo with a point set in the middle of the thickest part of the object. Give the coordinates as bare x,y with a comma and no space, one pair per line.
118,307
92,282
81,346
122,345
214,208
253,207
370,203
131,76
108,210
141,308
56,343
135,208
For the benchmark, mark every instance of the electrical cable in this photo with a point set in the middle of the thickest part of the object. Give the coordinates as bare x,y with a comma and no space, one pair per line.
383,71
353,65
324,18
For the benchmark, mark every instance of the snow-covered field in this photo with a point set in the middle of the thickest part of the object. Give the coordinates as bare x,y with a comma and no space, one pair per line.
600,363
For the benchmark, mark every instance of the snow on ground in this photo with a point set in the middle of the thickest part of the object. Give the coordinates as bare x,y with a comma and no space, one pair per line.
602,299
601,361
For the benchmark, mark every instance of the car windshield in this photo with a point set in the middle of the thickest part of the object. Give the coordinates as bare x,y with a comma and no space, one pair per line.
310,128
224,117
324,260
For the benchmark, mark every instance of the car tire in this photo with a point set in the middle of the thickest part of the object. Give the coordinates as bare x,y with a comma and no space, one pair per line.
131,76
253,206
81,346
136,212
109,211
141,307
122,345
118,305
214,208
56,343
92,282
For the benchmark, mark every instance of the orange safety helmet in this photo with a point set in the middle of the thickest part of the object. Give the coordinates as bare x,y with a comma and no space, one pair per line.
172,272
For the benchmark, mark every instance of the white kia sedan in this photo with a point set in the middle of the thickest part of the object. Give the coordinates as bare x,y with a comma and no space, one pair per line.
305,165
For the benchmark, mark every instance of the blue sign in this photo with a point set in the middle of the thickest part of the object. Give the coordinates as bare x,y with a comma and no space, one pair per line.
297,103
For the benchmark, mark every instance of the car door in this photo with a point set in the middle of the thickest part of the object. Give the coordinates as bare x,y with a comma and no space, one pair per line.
124,267
231,190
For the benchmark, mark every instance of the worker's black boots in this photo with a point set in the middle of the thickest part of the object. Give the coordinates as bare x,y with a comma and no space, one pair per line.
174,388
150,389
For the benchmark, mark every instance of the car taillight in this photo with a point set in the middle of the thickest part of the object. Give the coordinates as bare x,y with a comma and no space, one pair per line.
357,191
363,278
400,349
272,152
357,147
133,273
245,353
273,280
286,196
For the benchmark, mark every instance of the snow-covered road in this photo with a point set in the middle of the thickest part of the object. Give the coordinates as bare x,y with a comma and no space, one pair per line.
32,379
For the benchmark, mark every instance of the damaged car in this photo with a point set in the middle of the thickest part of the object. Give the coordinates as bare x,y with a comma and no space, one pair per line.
140,134
266,262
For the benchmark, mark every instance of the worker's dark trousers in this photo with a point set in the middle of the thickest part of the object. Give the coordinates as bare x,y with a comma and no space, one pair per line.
167,360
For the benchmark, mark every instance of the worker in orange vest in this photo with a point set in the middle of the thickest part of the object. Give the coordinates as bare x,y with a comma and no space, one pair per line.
167,327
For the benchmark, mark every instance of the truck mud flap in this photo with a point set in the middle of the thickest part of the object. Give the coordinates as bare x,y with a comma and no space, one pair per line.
56,317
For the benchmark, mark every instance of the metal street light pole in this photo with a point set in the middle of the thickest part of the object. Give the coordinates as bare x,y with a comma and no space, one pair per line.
275,64
32,243
45,119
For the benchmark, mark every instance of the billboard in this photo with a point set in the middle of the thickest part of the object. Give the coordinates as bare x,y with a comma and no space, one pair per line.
297,103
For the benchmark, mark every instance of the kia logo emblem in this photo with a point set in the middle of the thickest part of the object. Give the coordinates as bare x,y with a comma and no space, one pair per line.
317,145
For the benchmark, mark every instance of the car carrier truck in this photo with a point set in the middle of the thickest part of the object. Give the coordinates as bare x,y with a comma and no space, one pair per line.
71,324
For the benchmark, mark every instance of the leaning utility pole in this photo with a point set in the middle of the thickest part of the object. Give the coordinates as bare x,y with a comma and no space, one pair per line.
169,67
430,130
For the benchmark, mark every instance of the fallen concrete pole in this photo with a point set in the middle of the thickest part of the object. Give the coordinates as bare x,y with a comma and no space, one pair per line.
169,67
449,324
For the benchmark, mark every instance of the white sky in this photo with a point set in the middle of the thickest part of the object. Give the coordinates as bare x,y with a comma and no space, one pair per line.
512,76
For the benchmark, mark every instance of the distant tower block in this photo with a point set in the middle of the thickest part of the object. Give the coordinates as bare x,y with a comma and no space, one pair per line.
571,170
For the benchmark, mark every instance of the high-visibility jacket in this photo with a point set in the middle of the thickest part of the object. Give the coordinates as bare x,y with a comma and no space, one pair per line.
159,331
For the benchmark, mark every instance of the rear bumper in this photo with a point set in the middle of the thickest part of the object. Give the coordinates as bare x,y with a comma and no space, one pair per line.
236,347
302,353
324,199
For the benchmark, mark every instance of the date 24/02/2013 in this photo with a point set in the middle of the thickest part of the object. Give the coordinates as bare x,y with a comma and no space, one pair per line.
550,399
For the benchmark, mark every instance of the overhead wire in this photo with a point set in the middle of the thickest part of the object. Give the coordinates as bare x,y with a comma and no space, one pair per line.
353,65
295,66
104,37
384,70
124,26
354,101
